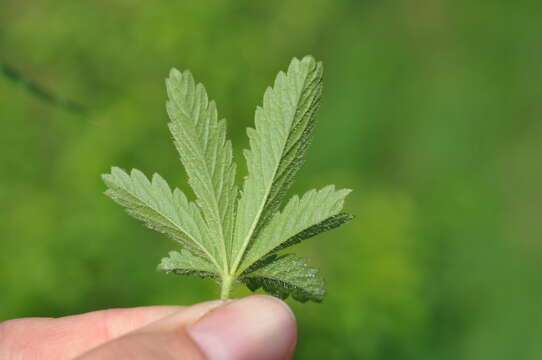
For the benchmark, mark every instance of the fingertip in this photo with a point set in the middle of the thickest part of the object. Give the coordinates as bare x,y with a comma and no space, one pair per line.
258,327
274,302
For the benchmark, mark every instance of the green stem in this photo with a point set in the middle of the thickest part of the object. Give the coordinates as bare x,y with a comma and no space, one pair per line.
225,290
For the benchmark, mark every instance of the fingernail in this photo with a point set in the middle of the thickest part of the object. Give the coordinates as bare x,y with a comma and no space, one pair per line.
254,328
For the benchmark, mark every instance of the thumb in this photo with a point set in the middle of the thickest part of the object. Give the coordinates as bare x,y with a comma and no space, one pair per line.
254,328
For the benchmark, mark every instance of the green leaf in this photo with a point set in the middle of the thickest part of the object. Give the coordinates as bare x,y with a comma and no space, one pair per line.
328,224
161,209
206,155
184,263
281,135
229,237
313,211
286,275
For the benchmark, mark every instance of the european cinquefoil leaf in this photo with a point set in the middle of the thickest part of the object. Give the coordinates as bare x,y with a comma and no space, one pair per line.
229,236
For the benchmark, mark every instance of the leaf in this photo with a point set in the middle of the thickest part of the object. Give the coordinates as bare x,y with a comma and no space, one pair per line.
206,155
310,214
227,237
286,275
283,127
328,224
184,263
160,209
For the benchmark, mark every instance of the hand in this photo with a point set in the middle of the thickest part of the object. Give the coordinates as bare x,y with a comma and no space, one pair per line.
254,328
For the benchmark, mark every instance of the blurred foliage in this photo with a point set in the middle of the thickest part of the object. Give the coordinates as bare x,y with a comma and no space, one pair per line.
432,114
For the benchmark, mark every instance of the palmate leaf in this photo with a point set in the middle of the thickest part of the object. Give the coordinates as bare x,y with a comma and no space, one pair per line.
223,236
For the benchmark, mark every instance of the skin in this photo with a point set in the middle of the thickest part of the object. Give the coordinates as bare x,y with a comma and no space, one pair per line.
254,328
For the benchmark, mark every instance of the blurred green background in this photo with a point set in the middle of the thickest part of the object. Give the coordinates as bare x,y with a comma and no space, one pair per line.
431,113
